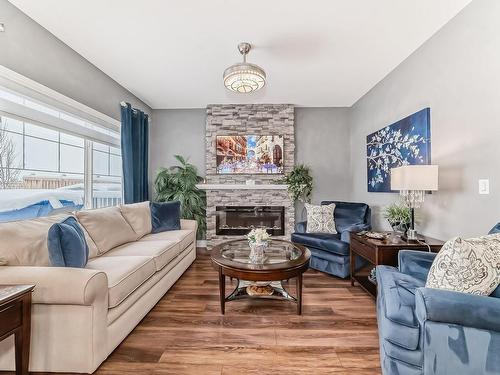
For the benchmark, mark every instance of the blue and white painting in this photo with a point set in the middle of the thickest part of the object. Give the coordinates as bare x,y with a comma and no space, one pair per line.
406,142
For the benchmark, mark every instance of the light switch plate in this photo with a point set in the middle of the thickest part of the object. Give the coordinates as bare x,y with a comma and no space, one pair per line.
484,186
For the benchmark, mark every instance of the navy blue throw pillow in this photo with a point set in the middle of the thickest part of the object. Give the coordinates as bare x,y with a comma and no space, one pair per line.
67,245
165,216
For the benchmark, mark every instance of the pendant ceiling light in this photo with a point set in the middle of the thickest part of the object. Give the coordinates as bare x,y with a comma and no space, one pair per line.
244,77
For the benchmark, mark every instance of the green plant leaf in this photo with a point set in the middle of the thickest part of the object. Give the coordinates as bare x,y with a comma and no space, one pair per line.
178,182
300,183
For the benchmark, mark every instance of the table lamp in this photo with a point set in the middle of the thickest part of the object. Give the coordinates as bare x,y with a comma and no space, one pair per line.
413,181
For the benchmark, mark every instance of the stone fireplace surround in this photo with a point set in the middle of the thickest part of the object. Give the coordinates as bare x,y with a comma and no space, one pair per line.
231,190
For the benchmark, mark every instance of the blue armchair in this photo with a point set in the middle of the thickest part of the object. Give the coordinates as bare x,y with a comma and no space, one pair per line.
428,331
330,252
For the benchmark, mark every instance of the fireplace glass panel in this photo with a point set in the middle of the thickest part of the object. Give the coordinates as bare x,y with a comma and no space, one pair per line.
239,220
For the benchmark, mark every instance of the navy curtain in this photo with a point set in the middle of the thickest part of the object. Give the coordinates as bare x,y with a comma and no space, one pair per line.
134,139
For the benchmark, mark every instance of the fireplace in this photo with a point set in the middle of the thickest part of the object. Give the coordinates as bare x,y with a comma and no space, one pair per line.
239,220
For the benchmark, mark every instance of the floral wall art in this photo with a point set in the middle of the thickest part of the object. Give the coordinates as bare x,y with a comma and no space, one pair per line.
406,142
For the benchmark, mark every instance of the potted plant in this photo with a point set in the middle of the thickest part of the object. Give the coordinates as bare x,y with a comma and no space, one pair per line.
178,183
398,216
300,183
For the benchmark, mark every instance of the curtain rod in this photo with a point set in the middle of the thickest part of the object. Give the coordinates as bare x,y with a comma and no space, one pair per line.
124,104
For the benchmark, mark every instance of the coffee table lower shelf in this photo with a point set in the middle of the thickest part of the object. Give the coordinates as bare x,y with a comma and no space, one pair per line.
276,291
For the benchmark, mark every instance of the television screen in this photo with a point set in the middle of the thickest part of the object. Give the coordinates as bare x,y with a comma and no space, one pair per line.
250,154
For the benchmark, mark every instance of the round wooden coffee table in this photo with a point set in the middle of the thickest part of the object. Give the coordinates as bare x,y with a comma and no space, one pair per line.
284,260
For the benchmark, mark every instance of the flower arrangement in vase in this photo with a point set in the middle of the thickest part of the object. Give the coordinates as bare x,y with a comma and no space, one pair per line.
258,239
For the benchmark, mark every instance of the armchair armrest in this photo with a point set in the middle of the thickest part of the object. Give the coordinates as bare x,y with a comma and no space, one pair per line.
59,285
464,309
301,227
345,234
415,263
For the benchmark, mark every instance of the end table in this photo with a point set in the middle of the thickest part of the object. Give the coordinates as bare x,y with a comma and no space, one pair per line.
15,318
378,252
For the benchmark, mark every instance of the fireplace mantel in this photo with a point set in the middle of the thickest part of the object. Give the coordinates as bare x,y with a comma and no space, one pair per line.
241,187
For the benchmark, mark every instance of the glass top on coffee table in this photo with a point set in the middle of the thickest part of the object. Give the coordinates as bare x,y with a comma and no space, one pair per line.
275,252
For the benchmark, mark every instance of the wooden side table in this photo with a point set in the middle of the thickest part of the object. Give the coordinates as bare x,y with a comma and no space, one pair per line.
385,252
15,319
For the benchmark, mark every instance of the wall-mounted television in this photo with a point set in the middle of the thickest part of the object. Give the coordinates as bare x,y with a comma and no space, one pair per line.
250,154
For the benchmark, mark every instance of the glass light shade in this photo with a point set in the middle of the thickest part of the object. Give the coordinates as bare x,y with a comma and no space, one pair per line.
244,78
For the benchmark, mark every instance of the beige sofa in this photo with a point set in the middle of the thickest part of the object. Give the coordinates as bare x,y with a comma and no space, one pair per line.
79,316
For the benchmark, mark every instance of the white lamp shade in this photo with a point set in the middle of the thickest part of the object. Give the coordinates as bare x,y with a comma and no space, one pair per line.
415,177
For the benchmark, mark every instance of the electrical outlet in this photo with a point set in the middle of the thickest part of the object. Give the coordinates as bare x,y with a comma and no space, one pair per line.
484,186
2,27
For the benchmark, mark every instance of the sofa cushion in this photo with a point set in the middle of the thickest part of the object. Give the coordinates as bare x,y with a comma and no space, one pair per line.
161,251
67,245
348,213
184,237
165,216
138,215
398,323
324,241
125,274
107,227
24,243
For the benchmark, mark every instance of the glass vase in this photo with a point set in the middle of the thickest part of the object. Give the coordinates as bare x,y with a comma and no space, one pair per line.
257,252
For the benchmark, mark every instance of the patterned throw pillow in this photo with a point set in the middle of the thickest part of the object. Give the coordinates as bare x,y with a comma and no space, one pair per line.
320,218
467,265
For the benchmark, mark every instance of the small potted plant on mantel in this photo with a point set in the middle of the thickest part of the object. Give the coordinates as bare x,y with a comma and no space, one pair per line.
300,184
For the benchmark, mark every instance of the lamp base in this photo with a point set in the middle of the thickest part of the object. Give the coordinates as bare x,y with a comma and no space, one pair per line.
411,235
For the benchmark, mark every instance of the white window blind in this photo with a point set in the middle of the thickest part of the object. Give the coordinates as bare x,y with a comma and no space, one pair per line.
27,100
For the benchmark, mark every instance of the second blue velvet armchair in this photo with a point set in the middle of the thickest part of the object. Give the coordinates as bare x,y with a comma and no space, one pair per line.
426,331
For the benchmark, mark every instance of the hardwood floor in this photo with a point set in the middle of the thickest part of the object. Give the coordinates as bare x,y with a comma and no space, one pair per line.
186,334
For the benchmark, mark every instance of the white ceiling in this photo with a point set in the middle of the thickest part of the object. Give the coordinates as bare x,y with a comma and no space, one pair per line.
171,54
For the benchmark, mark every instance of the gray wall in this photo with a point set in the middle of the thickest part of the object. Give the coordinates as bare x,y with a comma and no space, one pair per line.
456,73
321,141
30,50
177,132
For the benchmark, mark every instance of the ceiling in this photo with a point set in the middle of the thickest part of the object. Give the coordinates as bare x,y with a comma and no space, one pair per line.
316,53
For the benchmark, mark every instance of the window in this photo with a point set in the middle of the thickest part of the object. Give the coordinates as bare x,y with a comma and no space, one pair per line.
107,175
46,155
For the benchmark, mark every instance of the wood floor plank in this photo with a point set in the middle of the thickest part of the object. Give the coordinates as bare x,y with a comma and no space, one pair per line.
222,355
